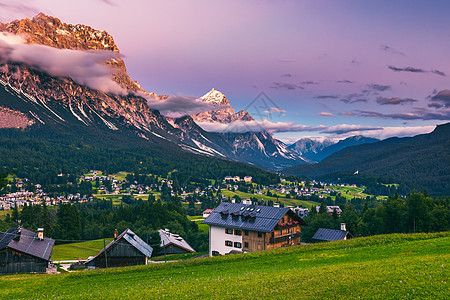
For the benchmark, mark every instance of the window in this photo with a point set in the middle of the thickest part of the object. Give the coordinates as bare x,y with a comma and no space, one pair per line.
282,220
246,245
237,245
229,243
281,231
246,232
259,234
228,231
237,232
215,253
287,230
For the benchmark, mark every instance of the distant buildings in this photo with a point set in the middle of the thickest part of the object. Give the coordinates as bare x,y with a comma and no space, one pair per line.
25,251
237,228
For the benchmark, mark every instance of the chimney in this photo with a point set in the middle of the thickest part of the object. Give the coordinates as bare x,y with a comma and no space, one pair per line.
343,227
41,233
116,233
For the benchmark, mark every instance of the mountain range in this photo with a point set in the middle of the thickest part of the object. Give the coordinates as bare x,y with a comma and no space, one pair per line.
421,162
64,101
318,150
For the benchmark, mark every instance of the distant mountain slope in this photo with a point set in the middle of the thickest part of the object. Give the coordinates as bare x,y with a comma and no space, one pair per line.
420,162
317,151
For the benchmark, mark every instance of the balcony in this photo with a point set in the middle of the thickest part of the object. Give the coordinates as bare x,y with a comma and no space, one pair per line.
285,238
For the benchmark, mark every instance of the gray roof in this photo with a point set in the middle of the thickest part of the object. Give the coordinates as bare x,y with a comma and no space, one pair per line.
329,235
27,241
168,238
248,217
133,239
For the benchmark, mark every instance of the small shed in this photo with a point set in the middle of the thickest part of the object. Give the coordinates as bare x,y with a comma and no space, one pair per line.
330,235
24,251
173,243
127,249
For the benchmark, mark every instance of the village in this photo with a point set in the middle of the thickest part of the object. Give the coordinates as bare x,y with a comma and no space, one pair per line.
235,211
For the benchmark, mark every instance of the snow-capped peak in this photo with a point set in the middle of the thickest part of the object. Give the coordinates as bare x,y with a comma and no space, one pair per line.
215,97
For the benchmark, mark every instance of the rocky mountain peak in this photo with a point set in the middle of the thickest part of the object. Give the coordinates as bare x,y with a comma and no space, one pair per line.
50,31
216,97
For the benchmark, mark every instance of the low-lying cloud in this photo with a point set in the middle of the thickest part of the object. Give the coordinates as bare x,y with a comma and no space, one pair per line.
416,114
86,68
179,105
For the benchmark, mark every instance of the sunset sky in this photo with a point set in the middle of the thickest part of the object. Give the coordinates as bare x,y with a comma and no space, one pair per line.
329,68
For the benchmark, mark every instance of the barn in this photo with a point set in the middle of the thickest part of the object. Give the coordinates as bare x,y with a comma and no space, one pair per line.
127,249
24,251
173,243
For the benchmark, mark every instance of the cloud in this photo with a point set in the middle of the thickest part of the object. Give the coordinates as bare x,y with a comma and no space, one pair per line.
416,70
345,128
391,50
286,75
440,99
325,114
286,86
394,101
326,97
109,2
179,105
344,81
355,97
309,82
416,114
379,87
86,68
11,10
388,132
276,109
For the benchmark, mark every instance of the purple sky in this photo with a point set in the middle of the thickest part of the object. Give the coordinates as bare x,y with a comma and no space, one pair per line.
376,64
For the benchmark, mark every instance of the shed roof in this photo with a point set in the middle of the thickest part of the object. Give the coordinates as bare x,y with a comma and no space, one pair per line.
249,217
329,235
168,238
133,239
27,241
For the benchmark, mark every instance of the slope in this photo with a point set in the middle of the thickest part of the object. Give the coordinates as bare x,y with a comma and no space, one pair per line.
388,266
421,162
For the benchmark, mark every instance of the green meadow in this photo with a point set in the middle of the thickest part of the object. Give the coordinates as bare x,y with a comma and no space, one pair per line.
80,250
396,266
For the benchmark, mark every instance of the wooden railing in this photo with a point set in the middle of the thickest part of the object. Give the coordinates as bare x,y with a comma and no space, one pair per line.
285,238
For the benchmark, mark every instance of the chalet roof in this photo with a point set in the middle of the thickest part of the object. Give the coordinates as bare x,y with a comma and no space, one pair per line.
168,238
133,239
249,217
329,235
27,241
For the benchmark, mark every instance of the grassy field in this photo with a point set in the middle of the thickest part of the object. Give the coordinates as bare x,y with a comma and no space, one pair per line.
78,250
173,257
394,266
292,202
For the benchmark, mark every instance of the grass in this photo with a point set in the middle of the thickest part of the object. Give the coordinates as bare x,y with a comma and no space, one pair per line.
413,266
286,201
78,250
182,256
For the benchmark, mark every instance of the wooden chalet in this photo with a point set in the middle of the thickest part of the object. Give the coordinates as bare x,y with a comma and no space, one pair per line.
127,249
236,227
24,251
173,243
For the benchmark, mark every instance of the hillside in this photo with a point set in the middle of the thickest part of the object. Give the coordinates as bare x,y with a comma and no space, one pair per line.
421,162
387,266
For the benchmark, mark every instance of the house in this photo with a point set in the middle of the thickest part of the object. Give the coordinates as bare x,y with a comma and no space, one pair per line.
207,212
24,251
330,209
248,179
302,212
330,235
173,243
127,249
236,227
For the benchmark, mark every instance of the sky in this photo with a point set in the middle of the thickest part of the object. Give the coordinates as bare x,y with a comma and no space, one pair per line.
301,68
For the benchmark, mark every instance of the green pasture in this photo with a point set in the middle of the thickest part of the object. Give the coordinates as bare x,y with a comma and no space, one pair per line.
396,266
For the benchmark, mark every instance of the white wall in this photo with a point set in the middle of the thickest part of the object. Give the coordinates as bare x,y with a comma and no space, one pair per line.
217,238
